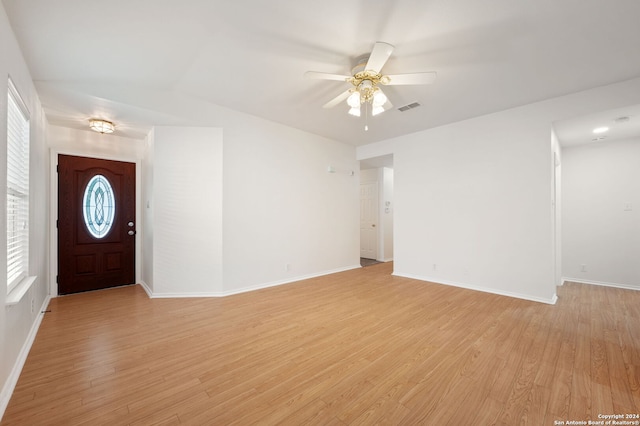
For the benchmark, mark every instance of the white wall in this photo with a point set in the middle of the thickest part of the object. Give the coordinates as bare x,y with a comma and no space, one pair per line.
88,143
474,198
18,323
473,203
245,206
280,206
600,182
285,216
186,209
368,176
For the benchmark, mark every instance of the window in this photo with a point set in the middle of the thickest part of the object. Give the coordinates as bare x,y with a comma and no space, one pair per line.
17,189
98,206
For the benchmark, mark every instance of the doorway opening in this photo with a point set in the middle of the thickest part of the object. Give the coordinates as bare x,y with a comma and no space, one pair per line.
376,210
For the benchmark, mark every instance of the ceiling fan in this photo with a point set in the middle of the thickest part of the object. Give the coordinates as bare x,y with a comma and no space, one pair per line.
366,78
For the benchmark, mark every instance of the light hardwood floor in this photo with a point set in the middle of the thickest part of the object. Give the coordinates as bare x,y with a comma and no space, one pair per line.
359,347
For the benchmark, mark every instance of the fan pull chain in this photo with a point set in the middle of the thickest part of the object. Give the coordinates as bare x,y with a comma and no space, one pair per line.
366,116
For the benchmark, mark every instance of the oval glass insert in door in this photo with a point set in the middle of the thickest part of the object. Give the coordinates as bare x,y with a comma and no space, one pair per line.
98,206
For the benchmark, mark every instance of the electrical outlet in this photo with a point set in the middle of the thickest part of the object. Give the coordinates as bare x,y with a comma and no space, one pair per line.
287,267
33,305
583,268
435,267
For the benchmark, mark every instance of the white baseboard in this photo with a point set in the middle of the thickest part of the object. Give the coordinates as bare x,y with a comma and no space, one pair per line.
601,283
146,288
14,375
551,301
250,288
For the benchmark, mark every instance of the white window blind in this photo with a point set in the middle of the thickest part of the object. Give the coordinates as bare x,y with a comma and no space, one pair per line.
17,189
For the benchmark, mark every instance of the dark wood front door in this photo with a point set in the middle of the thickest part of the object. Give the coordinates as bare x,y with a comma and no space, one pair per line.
96,223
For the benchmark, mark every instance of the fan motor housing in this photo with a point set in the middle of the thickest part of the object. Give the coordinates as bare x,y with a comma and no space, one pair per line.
360,63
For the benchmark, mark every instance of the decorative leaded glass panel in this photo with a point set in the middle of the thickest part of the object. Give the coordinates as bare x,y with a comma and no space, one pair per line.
98,206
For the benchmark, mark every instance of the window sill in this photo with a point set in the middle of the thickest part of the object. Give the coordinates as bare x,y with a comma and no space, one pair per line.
15,296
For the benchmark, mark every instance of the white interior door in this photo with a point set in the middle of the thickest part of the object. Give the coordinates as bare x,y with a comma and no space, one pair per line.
369,220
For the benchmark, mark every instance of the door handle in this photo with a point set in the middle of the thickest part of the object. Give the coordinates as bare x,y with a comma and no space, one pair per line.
131,232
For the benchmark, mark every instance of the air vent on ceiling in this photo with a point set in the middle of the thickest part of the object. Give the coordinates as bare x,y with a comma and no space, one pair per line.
408,107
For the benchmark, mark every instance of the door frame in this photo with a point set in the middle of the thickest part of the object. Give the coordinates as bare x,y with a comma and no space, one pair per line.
53,211
383,221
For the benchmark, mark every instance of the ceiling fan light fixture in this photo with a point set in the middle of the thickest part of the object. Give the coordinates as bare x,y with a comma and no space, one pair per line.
365,84
379,99
354,100
365,78
101,126
377,109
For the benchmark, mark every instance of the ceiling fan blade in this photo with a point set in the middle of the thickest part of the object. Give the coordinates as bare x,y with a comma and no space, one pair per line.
379,55
325,76
408,79
335,101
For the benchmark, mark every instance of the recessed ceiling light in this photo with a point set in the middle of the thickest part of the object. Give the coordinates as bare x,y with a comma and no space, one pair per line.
599,130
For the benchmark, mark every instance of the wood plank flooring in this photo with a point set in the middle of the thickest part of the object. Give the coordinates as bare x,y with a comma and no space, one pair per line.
360,347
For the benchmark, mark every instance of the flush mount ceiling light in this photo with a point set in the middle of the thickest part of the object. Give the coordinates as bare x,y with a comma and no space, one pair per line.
599,130
101,126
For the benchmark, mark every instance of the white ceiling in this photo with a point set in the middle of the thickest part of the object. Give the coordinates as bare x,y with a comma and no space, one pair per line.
148,62
623,123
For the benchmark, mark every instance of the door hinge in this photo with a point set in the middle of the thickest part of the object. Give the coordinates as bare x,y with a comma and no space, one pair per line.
57,282
57,221
57,168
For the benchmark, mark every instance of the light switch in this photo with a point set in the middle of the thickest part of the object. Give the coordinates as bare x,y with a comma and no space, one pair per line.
628,207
